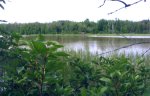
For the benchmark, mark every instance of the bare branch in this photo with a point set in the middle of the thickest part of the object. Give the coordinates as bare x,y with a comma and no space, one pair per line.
3,1
102,4
126,5
145,52
1,4
116,10
3,21
123,47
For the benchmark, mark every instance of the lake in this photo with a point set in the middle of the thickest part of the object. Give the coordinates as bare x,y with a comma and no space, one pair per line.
101,44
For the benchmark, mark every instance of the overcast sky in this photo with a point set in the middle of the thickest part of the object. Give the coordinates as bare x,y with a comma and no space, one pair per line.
74,10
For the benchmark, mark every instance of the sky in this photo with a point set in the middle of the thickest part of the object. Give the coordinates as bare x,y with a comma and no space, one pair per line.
25,11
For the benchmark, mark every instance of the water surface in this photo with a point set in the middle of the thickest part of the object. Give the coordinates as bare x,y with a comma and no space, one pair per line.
102,44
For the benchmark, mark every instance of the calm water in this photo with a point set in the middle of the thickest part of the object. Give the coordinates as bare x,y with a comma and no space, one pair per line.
102,44
98,45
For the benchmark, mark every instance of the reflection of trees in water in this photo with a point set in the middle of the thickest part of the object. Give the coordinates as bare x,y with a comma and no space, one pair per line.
98,44
139,48
106,44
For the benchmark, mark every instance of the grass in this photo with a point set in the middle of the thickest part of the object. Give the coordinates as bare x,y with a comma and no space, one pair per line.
87,56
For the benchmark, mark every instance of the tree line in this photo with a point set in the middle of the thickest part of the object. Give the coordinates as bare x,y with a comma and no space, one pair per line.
70,27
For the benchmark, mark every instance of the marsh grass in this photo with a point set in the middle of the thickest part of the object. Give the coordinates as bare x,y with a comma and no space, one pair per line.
87,56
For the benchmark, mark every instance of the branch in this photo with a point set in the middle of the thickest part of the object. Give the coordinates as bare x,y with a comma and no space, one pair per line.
3,21
124,47
3,1
102,4
145,52
116,10
126,5
1,4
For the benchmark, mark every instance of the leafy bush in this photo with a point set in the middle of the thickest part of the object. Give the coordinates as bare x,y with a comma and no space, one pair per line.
122,78
116,76
31,70
40,68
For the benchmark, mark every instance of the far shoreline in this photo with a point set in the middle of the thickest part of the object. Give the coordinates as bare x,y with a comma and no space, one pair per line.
98,35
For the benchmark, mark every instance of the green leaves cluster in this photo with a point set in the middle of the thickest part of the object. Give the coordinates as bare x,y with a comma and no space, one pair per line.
123,78
30,69
116,76
39,68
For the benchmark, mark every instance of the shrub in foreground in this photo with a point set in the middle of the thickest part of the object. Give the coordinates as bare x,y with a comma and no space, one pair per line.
41,69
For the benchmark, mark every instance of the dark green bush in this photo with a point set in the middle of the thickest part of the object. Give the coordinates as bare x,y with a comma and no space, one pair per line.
39,68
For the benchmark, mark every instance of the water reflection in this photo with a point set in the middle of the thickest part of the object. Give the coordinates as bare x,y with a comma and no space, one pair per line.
102,44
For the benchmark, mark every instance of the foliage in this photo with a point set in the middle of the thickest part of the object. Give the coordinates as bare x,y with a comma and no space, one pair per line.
70,27
39,68
110,77
32,70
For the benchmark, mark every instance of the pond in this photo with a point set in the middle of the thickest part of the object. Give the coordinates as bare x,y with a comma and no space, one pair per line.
102,44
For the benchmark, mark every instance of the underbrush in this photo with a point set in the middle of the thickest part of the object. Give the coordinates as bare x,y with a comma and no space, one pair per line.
41,69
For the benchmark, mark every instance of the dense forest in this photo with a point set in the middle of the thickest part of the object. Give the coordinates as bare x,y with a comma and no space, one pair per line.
87,26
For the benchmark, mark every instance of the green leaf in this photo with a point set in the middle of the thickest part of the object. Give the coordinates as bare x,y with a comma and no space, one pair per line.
103,89
141,86
38,47
61,54
137,77
16,36
104,79
20,69
83,92
22,80
118,72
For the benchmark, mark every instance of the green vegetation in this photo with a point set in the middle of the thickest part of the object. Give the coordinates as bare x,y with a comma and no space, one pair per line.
38,68
70,27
